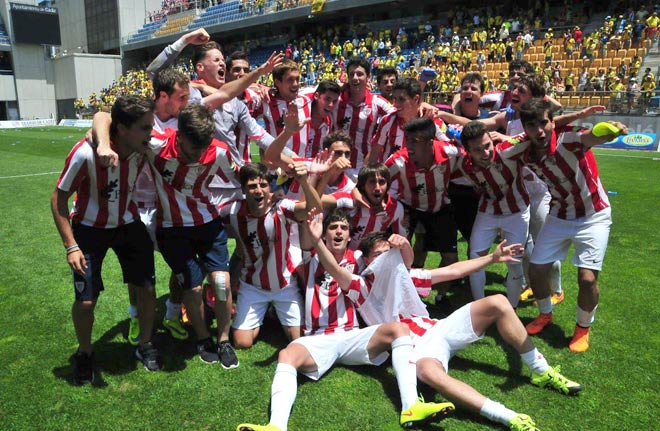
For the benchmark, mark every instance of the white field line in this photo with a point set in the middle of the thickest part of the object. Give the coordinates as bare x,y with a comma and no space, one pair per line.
29,175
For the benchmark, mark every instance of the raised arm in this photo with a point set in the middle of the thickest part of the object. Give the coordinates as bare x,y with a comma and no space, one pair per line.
313,227
235,88
168,56
277,153
312,199
403,245
502,253
101,139
603,132
562,120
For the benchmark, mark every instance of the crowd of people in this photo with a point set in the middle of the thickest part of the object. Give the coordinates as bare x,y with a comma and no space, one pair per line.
323,224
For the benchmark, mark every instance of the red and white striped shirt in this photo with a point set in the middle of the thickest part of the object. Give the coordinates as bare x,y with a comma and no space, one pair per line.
104,196
265,243
570,170
327,308
423,189
392,138
273,114
243,135
360,121
317,135
184,198
364,221
501,185
418,326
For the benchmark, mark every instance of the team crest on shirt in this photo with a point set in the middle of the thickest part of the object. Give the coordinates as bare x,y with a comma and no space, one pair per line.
324,282
253,240
110,191
350,267
365,113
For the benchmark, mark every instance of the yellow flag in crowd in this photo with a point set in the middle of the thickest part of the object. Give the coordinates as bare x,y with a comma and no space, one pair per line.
317,6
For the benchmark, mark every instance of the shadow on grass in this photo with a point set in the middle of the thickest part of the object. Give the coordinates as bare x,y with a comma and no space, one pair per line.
552,334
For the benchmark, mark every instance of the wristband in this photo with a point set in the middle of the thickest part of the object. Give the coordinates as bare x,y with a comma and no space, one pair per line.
71,247
178,45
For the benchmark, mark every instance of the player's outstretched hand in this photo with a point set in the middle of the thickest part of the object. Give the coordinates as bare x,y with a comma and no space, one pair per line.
508,253
298,170
273,61
197,37
291,121
398,241
314,224
321,162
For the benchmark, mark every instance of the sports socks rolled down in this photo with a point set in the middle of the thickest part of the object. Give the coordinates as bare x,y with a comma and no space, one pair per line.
496,412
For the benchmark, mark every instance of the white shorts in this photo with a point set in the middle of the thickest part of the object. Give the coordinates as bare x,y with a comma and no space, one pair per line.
486,226
588,235
148,218
445,338
345,348
252,304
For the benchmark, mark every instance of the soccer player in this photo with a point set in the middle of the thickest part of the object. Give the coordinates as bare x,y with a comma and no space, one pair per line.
385,80
332,334
390,137
262,229
104,216
504,204
421,170
436,341
324,99
359,111
579,212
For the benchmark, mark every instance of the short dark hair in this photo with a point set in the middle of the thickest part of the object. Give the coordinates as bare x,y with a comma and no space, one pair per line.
236,55
166,79
423,125
356,61
335,137
196,123
535,84
129,109
370,171
250,171
370,240
521,64
337,214
473,130
285,66
410,86
201,51
534,110
385,71
474,77
325,86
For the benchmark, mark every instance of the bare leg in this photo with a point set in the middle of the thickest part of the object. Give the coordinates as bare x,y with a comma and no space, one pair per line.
82,314
431,372
497,309
192,299
589,292
146,304
244,338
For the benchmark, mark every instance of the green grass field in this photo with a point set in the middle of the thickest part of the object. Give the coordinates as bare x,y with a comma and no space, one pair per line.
619,372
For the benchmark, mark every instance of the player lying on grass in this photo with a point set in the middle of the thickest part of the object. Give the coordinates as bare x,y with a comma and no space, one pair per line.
332,335
436,341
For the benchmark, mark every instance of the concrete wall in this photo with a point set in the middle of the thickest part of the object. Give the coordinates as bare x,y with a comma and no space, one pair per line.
35,82
73,28
7,87
79,75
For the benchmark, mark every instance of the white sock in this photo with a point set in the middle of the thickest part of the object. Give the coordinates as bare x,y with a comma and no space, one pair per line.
585,318
535,361
545,305
405,371
283,394
132,311
172,311
496,412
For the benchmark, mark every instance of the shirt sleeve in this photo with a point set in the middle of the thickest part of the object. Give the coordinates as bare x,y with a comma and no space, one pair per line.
75,168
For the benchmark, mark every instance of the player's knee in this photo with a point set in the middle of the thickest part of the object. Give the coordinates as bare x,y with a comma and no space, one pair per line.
243,339
587,279
395,330
431,372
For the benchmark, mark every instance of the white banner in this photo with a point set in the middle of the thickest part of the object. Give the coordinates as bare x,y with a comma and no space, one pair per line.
75,122
26,123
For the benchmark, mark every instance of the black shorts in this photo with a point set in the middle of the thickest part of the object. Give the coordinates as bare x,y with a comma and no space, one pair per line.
466,204
194,251
440,229
133,247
